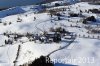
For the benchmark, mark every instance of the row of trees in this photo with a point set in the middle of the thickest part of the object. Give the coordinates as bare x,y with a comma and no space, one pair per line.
88,36
94,10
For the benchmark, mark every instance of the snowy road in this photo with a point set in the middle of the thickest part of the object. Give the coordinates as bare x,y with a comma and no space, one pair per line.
62,47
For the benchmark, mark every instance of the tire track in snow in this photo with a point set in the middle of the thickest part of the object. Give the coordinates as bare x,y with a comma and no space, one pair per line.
48,20
8,53
36,26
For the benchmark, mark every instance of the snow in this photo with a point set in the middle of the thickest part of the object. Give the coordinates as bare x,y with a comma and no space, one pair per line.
35,51
7,55
20,10
81,47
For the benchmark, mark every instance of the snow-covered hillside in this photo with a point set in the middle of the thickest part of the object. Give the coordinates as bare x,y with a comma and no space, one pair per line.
20,9
20,25
72,1
13,3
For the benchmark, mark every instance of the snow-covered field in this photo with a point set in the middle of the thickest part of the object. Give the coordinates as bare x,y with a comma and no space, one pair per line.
86,51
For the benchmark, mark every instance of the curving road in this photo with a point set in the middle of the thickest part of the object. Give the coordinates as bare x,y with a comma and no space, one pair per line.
67,45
